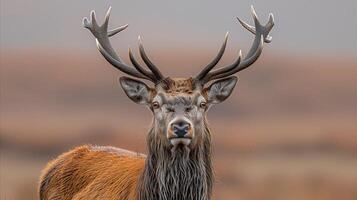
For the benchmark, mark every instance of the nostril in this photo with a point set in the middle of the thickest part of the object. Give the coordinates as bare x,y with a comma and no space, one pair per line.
181,129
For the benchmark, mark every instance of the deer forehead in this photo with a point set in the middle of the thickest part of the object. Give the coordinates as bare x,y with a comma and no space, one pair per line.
183,99
177,86
181,91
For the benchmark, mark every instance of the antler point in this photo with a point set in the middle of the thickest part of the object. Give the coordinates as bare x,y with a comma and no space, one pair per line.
140,40
226,36
92,13
129,50
85,22
108,12
271,18
252,8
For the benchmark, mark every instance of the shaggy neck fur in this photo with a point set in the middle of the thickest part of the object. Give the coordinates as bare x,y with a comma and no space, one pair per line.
182,174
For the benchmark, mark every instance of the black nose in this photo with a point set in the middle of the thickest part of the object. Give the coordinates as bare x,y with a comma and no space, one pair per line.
181,128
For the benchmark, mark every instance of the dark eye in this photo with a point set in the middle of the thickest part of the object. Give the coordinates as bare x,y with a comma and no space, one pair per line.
155,105
203,105
188,109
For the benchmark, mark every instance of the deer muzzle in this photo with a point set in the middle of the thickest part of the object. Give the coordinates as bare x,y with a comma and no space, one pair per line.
180,132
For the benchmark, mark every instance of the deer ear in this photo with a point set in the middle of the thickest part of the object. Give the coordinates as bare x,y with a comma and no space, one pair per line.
220,90
136,90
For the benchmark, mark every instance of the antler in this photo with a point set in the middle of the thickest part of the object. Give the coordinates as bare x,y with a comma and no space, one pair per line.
102,35
261,35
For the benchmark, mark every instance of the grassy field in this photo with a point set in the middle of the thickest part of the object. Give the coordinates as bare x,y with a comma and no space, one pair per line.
288,132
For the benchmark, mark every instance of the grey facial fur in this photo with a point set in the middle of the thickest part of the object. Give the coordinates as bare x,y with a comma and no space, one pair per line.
182,107
183,174
178,167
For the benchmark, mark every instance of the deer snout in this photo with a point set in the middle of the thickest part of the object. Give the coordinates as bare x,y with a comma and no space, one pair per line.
180,129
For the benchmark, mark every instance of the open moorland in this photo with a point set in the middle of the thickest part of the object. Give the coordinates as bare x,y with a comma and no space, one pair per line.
289,130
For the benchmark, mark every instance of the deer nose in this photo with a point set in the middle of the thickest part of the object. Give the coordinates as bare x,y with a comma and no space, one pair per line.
181,128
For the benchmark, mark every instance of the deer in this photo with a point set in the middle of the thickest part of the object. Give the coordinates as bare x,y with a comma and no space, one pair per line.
178,164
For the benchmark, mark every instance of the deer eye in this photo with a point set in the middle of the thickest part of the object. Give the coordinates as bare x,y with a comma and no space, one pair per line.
203,105
188,109
155,105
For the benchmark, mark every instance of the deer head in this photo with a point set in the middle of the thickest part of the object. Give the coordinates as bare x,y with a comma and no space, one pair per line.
179,105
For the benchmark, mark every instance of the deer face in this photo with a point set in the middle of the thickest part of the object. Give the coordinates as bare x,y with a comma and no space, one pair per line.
179,106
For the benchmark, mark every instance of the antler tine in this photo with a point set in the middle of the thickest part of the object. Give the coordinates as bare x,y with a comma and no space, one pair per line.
119,65
139,67
100,32
261,35
116,30
242,65
102,35
223,70
106,18
214,62
148,62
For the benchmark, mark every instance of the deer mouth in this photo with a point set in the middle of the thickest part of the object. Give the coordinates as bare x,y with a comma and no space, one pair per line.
180,141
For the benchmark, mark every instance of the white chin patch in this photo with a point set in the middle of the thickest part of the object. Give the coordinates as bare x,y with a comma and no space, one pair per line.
177,141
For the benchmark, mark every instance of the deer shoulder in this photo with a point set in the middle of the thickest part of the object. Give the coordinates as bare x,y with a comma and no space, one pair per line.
92,172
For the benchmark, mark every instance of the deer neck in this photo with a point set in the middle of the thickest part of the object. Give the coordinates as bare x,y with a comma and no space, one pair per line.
181,174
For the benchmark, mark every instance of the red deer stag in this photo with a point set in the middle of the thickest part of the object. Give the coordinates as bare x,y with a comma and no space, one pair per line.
178,164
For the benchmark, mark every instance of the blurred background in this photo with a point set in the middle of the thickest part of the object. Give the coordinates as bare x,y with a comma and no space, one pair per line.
289,130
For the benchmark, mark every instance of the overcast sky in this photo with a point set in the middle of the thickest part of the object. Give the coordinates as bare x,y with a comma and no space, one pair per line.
308,26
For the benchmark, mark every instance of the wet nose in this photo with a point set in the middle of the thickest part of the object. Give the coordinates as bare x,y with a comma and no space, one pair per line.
180,128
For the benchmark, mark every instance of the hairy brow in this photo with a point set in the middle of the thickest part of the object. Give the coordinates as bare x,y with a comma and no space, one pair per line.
180,100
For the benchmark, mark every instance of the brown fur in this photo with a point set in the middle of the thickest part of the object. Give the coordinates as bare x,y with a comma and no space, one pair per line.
88,172
179,85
